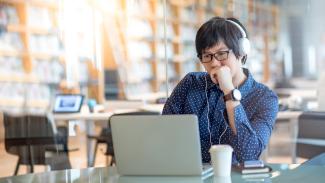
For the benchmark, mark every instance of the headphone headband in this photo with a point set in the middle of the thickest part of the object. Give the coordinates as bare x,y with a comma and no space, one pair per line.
244,44
243,33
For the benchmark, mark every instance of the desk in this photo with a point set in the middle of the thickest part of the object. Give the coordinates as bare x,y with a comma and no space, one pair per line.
281,173
89,119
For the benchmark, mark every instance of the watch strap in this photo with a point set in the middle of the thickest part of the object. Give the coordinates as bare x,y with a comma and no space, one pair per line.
228,96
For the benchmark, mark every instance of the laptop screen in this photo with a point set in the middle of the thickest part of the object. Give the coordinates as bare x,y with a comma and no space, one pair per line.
68,103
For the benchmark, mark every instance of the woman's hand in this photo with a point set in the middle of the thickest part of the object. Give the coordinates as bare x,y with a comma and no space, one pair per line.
222,76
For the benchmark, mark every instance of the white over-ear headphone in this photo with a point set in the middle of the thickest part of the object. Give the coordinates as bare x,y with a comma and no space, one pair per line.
244,44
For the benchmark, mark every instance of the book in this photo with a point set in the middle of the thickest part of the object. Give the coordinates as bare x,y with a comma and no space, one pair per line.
256,176
253,163
252,170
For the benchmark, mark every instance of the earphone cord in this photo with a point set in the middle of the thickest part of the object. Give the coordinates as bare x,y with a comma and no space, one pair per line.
206,95
222,134
210,135
225,128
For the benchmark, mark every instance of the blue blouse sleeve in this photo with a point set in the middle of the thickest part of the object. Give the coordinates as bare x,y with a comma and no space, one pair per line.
175,102
253,135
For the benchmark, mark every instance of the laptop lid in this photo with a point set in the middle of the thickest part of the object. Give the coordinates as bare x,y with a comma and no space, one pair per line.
68,103
160,179
157,145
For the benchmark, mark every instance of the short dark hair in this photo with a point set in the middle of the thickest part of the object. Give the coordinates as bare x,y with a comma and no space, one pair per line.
218,29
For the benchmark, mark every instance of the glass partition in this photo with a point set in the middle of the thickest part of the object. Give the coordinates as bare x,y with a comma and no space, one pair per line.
135,50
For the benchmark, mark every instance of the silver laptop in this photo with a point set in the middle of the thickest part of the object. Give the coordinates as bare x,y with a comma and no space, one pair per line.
158,145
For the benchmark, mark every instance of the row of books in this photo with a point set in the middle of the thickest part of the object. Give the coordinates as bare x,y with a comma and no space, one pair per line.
137,89
8,15
142,51
169,30
24,91
11,65
189,14
36,16
40,17
138,72
22,97
171,86
161,71
45,44
18,98
161,50
135,8
138,8
48,71
139,50
50,44
30,109
139,28
11,41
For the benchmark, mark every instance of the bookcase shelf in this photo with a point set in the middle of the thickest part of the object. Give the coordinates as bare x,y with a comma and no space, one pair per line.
22,85
18,78
16,28
183,20
12,53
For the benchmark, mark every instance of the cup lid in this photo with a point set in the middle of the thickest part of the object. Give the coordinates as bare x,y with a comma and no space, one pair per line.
221,147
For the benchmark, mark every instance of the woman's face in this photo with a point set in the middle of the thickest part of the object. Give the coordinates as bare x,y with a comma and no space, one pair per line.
220,50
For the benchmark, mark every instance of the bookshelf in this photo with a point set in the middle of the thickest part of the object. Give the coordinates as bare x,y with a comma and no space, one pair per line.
140,62
35,51
31,55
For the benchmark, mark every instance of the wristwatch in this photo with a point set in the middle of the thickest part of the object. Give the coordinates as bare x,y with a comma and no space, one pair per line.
234,95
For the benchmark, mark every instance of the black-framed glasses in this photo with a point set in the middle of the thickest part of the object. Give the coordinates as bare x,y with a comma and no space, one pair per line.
220,56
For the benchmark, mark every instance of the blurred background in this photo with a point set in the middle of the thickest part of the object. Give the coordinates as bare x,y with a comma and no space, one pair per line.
138,50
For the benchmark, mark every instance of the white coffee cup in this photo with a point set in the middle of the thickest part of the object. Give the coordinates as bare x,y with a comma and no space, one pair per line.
221,156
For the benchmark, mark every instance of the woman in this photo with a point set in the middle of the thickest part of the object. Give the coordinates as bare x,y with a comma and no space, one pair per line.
231,106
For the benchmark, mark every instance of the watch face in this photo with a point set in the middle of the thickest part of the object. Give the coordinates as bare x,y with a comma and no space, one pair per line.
236,94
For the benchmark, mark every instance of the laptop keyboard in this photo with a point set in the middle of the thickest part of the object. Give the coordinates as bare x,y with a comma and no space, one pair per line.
206,169
206,166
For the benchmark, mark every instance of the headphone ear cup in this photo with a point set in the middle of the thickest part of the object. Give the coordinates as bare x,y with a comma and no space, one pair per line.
245,46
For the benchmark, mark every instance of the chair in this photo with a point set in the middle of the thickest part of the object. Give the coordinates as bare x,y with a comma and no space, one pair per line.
105,135
32,138
311,134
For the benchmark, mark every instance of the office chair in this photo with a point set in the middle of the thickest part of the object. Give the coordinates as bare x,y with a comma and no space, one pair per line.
30,137
105,136
311,134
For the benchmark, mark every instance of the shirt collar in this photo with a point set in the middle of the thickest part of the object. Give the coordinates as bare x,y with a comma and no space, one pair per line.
246,87
243,88
209,81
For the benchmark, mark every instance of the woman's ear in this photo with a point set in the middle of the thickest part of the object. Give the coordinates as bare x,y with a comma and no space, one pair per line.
240,58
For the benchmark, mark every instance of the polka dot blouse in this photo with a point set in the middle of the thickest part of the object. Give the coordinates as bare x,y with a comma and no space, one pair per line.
254,117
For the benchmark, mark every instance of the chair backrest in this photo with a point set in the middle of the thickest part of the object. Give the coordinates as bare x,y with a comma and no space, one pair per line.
28,131
311,134
133,113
